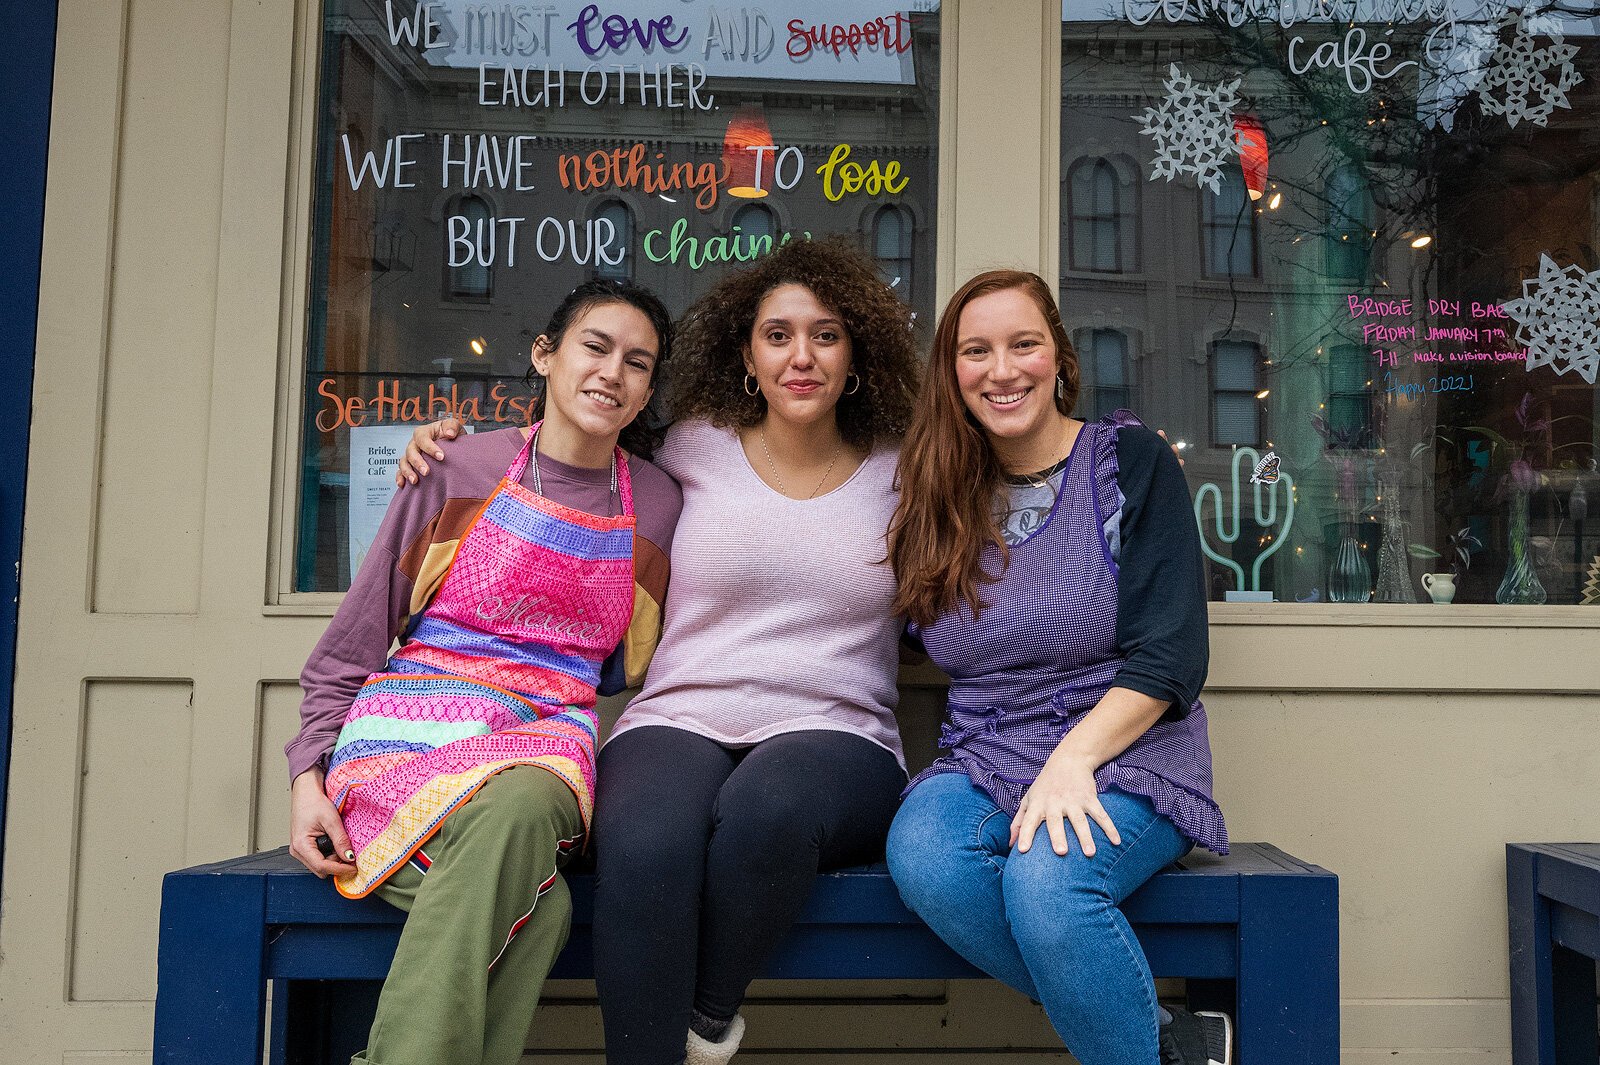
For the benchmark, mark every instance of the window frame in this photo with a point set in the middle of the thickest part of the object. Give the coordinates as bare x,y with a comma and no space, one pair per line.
1086,343
1339,250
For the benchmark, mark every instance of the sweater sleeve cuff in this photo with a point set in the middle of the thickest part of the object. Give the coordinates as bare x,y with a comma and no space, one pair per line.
305,752
1177,704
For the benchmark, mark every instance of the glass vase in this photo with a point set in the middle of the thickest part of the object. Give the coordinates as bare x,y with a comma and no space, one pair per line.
1521,584
1349,576
1394,568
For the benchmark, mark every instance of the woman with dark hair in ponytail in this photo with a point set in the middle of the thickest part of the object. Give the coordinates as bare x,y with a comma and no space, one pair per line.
454,777
1052,568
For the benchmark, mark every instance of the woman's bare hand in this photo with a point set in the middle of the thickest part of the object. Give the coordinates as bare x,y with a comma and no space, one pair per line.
1063,793
424,442
311,814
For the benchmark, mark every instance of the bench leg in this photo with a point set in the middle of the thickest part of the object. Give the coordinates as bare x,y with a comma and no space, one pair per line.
211,991
1528,929
1288,971
1552,989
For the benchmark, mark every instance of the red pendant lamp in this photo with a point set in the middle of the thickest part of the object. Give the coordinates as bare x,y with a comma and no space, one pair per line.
1251,137
748,173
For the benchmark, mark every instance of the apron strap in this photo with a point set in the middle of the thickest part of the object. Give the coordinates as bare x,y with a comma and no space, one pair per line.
519,465
624,482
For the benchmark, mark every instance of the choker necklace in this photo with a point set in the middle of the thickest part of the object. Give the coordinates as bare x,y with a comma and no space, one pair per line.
776,476
533,461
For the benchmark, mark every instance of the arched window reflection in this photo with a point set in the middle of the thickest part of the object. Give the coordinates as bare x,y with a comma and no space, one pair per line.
1349,222
1235,385
1228,223
1100,235
756,224
472,279
620,215
891,248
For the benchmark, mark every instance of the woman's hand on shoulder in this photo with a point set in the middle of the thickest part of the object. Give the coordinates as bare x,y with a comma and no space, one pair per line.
424,442
1162,433
1064,793
312,814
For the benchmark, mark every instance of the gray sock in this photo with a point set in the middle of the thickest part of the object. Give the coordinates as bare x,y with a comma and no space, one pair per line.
708,1028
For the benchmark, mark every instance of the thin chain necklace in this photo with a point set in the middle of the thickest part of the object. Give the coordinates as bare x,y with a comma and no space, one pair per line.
1033,478
776,476
533,459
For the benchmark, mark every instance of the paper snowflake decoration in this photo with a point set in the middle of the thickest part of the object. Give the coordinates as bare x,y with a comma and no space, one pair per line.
1193,129
1558,319
1527,81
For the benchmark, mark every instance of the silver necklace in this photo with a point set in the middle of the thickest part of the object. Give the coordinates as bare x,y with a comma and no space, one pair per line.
776,476
538,489
1034,480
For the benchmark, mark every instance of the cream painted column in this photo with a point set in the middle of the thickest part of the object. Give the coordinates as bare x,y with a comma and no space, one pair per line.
999,138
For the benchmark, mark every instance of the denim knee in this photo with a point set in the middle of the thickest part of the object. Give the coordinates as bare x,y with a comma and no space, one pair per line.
936,841
1049,894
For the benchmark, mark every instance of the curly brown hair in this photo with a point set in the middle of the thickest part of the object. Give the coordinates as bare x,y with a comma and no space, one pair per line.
708,368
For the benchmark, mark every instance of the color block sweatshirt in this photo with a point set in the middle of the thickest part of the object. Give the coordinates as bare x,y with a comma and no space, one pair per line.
413,549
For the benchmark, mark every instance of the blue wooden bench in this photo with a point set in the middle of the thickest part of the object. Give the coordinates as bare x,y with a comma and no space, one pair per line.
1553,916
1256,933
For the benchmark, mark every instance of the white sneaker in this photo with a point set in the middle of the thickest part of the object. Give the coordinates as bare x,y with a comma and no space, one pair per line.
703,1051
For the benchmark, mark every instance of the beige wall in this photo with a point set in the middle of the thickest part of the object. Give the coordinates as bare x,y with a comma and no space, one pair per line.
1399,746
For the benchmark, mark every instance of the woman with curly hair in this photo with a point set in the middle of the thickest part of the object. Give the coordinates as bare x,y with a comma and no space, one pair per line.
763,747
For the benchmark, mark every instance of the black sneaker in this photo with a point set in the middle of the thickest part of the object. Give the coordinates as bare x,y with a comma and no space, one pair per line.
1202,1038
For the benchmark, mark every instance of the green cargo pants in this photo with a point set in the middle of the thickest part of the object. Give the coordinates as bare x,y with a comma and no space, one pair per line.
462,990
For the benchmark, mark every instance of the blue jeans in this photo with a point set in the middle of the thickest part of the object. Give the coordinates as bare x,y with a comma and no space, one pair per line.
1045,924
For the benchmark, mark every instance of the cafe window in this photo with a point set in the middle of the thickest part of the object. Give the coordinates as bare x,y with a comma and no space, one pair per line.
474,162
1389,334
1103,207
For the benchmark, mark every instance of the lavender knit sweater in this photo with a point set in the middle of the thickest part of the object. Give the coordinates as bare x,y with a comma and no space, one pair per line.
779,616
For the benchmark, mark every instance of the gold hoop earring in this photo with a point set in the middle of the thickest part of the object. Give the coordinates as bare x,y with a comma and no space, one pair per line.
854,388
752,387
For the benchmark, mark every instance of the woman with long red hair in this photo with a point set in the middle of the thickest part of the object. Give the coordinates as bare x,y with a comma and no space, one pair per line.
1061,589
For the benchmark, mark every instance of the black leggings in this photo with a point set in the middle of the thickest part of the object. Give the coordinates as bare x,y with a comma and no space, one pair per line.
705,855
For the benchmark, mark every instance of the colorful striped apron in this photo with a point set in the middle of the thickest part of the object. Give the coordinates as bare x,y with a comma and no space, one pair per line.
500,670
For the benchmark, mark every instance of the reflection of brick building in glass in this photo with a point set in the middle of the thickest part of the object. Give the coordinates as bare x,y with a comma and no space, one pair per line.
1226,318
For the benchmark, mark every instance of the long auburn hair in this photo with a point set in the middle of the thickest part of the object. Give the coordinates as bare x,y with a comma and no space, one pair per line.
950,473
